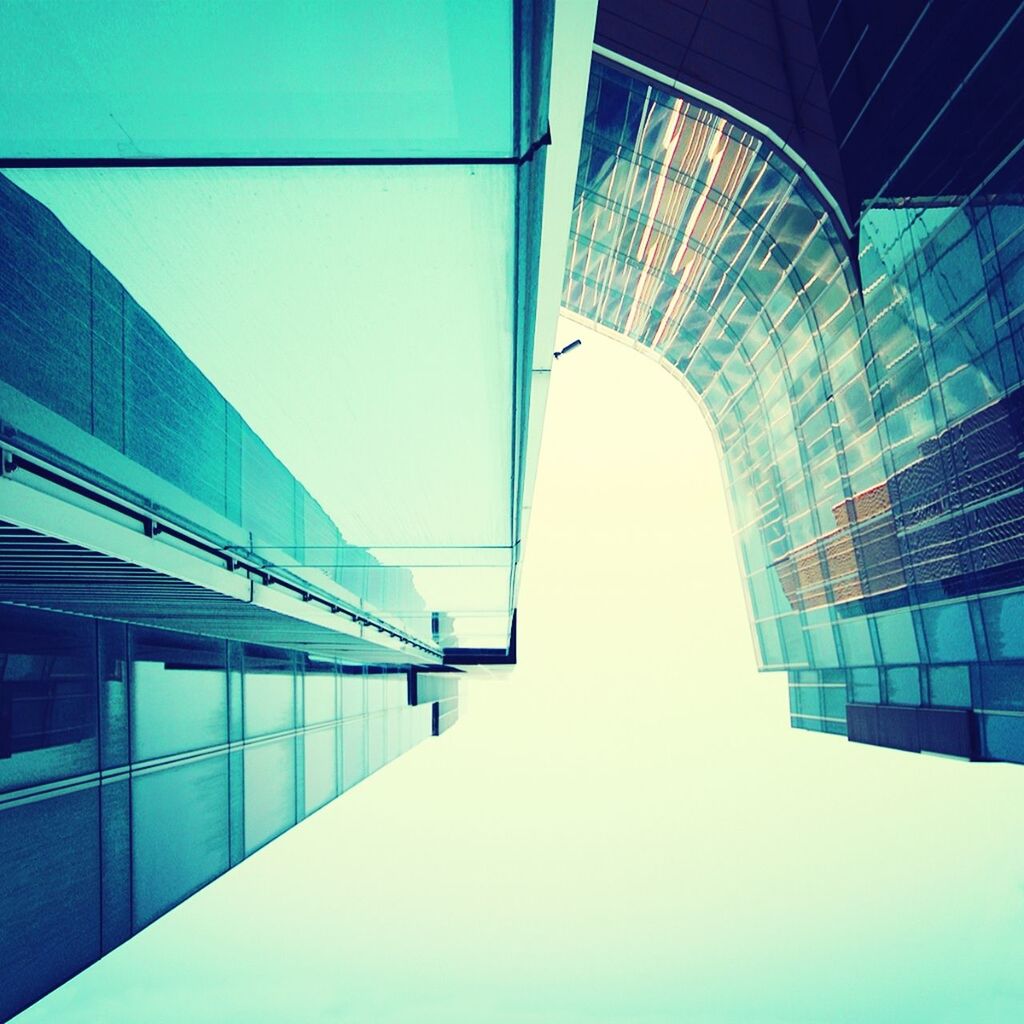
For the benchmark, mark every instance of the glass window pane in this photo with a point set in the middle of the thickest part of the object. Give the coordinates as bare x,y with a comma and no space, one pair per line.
320,768
56,924
47,697
866,687
178,693
903,686
318,690
1004,624
353,694
948,632
113,695
950,685
268,692
170,863
1003,737
269,791
375,740
896,637
353,752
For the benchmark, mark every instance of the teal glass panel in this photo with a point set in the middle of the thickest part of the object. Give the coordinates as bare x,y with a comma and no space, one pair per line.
1004,625
269,791
172,236
353,752
236,728
353,695
268,693
834,701
950,685
376,738
999,686
48,696
56,839
823,647
116,862
807,723
236,804
376,692
896,637
178,693
865,685
769,647
396,690
794,644
113,694
903,686
856,639
319,696
169,864
1003,737
806,700
181,79
948,633
320,766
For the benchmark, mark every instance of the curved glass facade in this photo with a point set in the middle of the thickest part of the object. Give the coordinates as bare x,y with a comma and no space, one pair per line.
864,396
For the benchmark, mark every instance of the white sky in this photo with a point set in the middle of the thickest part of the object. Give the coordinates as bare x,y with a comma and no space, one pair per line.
622,828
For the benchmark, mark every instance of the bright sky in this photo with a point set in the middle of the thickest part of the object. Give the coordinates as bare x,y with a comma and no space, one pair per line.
623,828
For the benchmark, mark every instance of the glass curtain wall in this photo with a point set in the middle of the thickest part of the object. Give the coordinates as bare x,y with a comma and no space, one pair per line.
137,765
864,394
267,303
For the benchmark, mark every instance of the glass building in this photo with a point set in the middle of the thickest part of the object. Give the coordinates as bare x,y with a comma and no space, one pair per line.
851,328
274,347
269,292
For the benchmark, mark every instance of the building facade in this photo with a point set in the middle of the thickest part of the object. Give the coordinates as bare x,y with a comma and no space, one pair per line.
195,652
160,718
809,213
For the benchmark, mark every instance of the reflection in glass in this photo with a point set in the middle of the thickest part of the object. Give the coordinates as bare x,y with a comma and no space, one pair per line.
169,864
47,697
179,693
319,695
321,768
268,691
269,791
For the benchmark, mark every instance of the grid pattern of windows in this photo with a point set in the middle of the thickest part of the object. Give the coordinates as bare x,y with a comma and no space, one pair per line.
866,396
110,733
